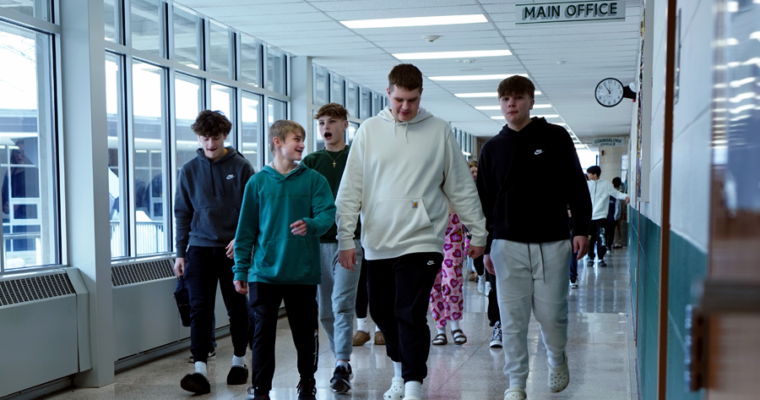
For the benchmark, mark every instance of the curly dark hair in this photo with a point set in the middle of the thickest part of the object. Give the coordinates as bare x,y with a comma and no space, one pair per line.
211,123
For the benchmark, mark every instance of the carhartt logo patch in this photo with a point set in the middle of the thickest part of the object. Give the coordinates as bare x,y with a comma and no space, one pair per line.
230,176
539,151
414,204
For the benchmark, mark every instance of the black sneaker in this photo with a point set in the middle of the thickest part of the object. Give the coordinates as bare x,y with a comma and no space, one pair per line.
573,283
195,383
307,389
238,375
590,262
602,263
252,395
341,380
496,340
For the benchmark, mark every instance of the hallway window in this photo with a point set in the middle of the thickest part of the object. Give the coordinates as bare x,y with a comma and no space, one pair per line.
188,34
220,54
223,99
147,28
250,61
189,102
151,211
277,71
252,127
27,148
116,166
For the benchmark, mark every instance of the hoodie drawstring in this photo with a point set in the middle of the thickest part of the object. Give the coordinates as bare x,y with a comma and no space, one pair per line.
211,172
406,126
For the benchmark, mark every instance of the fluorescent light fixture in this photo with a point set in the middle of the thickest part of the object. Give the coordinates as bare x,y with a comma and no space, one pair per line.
580,146
542,106
452,54
498,117
486,94
547,116
732,6
415,21
474,77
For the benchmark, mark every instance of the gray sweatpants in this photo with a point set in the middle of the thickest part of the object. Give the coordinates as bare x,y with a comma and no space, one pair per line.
531,275
337,299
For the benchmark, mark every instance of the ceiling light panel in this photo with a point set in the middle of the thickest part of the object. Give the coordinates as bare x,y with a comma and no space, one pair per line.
452,54
415,21
473,77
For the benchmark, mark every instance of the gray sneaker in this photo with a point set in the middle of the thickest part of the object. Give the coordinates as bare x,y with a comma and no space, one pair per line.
496,339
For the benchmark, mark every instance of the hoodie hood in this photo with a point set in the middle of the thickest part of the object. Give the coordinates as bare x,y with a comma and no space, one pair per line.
274,174
231,152
387,115
536,123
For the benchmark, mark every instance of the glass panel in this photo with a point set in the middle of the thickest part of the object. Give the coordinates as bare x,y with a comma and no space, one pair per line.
351,132
149,135
27,149
112,20
352,100
319,143
147,28
220,56
321,86
276,110
253,105
187,37
35,8
276,71
364,109
336,91
116,155
250,61
223,100
189,102
377,104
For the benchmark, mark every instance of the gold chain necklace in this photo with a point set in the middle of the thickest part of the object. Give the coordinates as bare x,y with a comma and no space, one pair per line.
335,160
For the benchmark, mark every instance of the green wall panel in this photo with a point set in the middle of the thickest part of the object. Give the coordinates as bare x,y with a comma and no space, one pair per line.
648,289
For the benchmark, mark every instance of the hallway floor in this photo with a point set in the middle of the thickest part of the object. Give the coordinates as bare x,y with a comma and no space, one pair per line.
600,352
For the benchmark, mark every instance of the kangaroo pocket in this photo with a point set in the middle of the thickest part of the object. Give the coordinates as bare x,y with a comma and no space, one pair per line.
289,259
215,223
397,222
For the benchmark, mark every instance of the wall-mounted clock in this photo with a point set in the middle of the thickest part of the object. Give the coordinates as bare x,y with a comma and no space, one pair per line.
609,92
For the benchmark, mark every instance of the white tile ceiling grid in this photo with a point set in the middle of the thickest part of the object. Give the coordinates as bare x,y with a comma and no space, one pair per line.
565,61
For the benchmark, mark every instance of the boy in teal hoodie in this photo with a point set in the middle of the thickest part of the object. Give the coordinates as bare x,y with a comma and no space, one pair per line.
286,208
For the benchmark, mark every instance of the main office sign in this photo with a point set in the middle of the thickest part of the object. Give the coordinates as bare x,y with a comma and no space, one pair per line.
575,11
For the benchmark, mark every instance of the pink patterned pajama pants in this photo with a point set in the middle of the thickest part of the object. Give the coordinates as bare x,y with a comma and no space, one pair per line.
446,300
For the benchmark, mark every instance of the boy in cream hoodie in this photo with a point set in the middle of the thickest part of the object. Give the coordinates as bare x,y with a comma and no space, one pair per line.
403,170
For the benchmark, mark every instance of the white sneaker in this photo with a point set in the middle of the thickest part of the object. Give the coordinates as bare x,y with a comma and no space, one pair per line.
481,284
496,340
515,393
559,377
396,392
488,289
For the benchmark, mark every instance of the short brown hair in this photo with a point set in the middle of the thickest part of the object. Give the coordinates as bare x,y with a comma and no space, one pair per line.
280,129
334,110
472,164
406,76
211,123
516,84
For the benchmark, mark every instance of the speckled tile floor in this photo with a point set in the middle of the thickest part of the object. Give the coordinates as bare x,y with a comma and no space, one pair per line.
599,353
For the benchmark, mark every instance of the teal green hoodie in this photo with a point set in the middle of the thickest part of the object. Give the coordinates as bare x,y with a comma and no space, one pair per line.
271,202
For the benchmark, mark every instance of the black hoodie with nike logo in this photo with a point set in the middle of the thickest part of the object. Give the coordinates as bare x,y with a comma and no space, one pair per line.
527,179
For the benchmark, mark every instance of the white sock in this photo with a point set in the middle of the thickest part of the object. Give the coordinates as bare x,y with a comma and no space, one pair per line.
454,325
555,362
396,369
413,389
377,328
441,331
238,361
342,363
200,368
361,325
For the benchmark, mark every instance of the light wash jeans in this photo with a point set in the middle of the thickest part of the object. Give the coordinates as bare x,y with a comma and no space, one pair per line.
531,275
337,299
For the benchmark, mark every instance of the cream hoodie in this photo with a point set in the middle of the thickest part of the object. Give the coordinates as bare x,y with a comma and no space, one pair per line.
400,177
600,191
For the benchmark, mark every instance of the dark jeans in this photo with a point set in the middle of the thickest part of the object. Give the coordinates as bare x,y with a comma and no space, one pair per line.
480,268
493,301
399,294
301,306
205,266
598,231
362,301
610,232
574,267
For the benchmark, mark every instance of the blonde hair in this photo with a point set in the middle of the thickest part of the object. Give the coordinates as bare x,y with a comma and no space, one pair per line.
280,129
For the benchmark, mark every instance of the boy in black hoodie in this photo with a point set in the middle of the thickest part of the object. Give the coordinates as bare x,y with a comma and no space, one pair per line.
206,207
528,248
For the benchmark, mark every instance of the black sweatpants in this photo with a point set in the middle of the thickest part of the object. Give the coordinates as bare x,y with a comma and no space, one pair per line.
480,268
301,307
493,301
204,267
598,231
399,295
362,299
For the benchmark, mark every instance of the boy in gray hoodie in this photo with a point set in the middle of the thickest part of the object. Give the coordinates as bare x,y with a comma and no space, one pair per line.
206,207
404,169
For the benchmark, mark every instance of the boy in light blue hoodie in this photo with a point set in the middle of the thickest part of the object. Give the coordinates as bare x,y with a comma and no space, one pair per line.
286,208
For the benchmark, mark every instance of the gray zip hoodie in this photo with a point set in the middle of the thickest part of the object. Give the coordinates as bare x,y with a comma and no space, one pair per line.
208,199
